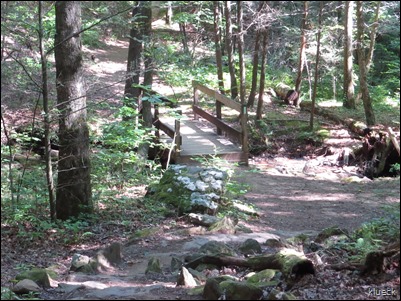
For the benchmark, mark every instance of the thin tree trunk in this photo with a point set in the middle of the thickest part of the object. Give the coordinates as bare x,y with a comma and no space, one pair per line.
184,37
302,54
255,65
217,43
45,95
229,48
262,77
367,103
148,75
316,65
349,93
373,32
74,194
241,52
169,13
131,92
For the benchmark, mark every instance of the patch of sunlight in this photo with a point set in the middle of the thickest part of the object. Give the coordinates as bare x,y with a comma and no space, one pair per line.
393,102
331,103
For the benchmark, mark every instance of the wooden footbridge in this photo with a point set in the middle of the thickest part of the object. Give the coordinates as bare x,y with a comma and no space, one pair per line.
205,134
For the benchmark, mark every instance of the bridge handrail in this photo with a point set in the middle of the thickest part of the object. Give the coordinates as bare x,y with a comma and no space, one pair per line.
241,136
173,133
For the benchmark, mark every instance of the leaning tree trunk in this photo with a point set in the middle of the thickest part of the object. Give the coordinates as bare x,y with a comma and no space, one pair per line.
367,102
302,51
217,43
230,49
349,93
74,183
262,77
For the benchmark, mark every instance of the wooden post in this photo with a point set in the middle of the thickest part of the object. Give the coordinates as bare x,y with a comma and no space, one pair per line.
196,98
218,113
155,120
244,121
177,138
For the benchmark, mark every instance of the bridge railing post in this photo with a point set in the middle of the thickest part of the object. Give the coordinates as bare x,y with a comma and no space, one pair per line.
196,98
177,137
218,114
244,128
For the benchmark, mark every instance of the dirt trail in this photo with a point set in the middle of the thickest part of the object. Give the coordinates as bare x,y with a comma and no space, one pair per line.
290,201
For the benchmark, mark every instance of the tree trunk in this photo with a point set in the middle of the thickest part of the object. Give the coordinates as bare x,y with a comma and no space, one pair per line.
45,95
132,93
302,53
367,103
169,13
373,37
74,183
255,65
229,48
217,43
349,93
148,75
241,53
262,77
316,66
184,37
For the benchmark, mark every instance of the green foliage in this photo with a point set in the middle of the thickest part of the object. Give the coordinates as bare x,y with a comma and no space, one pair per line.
374,234
91,38
318,135
395,168
117,162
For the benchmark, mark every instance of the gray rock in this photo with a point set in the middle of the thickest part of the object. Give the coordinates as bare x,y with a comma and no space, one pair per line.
250,247
26,286
186,279
153,266
216,247
202,219
40,276
235,290
110,256
176,264
79,261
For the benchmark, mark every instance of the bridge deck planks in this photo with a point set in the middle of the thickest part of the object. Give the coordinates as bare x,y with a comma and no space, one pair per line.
199,139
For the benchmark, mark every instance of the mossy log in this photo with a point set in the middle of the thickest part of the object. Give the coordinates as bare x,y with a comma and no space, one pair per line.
288,261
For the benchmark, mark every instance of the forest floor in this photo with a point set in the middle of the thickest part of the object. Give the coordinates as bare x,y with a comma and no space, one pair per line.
289,200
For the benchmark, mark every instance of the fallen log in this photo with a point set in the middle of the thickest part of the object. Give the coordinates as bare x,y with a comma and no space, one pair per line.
290,262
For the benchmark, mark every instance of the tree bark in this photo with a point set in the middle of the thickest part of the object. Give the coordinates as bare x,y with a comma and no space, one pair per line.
367,102
316,66
45,94
217,43
255,65
262,77
349,93
229,48
74,183
169,13
302,53
373,32
148,75
132,93
288,261
241,52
